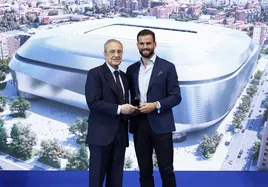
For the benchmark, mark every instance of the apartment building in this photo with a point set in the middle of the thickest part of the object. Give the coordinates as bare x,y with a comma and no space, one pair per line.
263,155
8,45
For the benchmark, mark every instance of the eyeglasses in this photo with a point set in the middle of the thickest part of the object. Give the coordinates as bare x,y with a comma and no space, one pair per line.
112,52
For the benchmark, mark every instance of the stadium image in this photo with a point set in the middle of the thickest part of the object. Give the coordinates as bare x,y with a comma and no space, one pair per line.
53,63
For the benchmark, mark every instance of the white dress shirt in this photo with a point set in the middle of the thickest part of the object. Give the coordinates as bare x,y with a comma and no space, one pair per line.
144,79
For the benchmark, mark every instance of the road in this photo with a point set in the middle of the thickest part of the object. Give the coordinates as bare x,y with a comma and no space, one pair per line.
245,141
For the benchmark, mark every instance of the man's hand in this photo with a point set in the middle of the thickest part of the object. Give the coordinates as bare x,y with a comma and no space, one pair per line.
128,109
147,107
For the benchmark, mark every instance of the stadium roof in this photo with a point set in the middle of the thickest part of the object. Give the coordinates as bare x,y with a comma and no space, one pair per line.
200,52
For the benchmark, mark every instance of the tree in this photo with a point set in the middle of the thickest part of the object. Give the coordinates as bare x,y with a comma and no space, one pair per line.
236,121
128,163
79,128
2,76
15,132
22,146
51,153
3,138
265,51
258,75
209,144
2,122
251,90
20,105
80,160
256,150
3,101
4,65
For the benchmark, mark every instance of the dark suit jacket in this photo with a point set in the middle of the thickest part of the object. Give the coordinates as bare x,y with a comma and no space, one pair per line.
163,87
101,97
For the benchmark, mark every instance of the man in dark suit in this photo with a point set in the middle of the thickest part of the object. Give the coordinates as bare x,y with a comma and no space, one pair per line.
106,93
154,82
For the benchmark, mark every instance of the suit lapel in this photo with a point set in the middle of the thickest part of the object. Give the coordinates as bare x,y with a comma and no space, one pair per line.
156,70
136,79
109,77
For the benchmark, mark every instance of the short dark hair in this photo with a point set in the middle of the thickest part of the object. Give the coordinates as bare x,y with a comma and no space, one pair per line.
146,32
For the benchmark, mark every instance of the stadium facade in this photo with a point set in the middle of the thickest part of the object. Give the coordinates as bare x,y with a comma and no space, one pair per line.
214,64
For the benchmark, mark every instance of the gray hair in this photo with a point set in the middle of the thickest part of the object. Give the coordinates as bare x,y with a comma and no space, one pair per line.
110,41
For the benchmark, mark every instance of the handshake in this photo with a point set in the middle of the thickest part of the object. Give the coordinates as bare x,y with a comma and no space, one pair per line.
143,108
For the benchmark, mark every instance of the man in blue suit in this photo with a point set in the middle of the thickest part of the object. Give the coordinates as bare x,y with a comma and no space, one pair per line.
154,82
106,93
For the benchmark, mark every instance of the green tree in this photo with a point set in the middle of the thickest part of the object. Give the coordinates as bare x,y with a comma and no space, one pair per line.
80,160
51,153
236,121
258,75
79,128
22,147
20,105
3,101
2,122
251,90
15,132
216,137
2,76
265,51
4,65
256,150
209,144
3,138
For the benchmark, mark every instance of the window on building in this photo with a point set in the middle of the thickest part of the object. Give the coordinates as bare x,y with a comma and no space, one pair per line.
263,164
265,154
264,159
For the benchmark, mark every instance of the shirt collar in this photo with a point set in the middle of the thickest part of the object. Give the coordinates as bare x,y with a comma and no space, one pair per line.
151,60
112,69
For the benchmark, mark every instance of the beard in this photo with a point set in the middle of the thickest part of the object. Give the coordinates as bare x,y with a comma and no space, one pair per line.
146,55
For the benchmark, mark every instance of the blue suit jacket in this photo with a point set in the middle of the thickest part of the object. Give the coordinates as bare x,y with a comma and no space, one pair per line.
102,100
163,87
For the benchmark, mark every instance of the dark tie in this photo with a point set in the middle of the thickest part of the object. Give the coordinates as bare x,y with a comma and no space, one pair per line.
119,88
